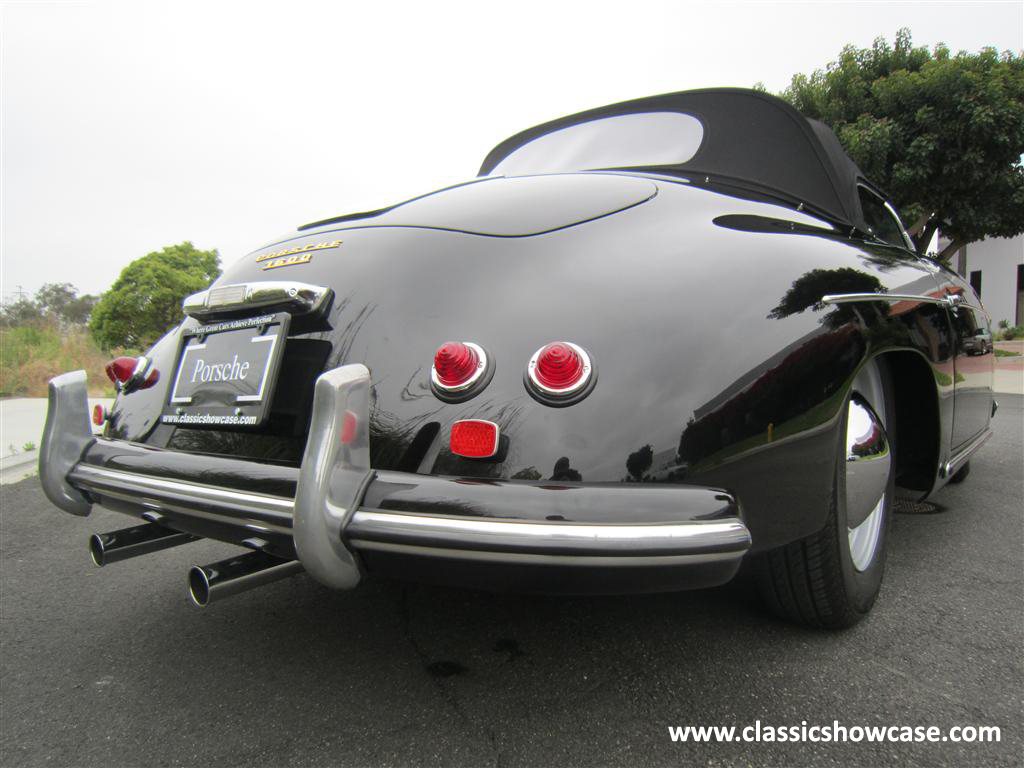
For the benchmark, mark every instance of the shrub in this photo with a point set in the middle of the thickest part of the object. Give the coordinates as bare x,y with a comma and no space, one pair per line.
32,355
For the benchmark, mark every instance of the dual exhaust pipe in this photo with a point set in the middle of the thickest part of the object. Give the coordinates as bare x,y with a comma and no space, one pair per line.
206,583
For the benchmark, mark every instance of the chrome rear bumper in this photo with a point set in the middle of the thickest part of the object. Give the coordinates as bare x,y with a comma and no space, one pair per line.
328,522
567,543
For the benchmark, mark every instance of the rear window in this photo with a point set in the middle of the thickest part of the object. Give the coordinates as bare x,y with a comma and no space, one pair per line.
624,141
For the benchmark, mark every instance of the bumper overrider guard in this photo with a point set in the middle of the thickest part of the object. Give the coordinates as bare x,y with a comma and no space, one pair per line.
334,534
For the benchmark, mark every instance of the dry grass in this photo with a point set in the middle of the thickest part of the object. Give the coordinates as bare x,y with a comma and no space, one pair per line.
31,355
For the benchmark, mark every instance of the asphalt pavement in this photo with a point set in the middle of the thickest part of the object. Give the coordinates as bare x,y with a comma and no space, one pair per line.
113,666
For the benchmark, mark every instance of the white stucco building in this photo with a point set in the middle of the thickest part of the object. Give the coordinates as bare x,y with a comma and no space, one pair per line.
995,268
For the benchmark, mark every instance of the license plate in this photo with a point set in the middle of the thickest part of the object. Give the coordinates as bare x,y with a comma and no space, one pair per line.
226,373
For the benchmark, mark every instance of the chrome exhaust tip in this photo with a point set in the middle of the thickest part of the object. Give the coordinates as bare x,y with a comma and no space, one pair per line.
207,583
199,585
106,548
97,552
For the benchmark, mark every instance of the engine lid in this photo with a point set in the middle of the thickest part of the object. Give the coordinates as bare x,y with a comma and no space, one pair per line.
513,207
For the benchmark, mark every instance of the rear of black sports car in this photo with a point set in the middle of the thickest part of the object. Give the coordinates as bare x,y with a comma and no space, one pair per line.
602,381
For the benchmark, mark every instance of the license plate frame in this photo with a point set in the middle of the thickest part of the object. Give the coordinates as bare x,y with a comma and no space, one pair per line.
215,390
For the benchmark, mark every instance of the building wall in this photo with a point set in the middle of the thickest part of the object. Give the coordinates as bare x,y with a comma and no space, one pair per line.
998,260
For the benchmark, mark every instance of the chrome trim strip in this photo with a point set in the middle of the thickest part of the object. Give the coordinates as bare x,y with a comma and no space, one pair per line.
907,241
368,526
846,298
979,309
274,510
300,298
957,300
621,561
960,458
951,300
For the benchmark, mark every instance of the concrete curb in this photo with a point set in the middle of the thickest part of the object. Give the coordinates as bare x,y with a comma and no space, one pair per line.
18,466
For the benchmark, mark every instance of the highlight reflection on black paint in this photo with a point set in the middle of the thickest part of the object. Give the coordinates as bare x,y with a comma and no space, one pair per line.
563,471
744,222
807,376
808,289
638,462
398,443
528,473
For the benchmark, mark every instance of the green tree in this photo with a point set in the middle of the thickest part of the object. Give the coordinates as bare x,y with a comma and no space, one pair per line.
61,300
54,301
21,312
942,134
145,301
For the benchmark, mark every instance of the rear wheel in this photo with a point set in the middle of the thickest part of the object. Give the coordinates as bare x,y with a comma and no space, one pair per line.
831,578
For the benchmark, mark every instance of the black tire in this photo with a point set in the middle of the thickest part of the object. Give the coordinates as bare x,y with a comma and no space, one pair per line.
961,474
813,581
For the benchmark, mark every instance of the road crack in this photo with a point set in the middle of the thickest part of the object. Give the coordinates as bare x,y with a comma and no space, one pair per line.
438,671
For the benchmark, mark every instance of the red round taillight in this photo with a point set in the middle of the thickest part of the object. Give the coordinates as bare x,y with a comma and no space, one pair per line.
131,373
458,365
559,366
99,414
560,373
120,369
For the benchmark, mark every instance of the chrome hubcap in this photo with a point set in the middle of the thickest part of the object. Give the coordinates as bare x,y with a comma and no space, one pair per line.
868,464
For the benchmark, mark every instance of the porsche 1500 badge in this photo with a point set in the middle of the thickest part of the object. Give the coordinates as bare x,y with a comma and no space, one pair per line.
301,254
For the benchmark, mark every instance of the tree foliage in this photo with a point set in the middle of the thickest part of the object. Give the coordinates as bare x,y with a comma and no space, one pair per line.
54,302
61,300
145,300
942,134
19,313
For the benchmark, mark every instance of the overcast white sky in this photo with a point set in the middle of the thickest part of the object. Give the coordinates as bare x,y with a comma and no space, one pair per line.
130,126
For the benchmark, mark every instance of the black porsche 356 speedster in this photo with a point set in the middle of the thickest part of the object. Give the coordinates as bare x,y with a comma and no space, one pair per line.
651,343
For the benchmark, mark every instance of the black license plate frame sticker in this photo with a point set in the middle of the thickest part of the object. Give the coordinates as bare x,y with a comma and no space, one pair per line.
226,373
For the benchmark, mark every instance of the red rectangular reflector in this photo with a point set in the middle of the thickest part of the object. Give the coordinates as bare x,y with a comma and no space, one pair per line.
474,438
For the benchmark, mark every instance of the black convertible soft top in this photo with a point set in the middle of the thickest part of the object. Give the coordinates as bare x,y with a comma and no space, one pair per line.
752,140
